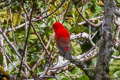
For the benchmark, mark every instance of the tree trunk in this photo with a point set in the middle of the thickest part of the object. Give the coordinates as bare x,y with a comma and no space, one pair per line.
102,68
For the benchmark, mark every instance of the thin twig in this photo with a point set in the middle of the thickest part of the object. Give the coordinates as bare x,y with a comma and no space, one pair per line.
51,12
34,19
65,12
11,23
39,37
26,41
43,54
13,64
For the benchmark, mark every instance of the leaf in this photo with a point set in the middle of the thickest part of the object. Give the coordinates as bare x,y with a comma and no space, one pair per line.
67,25
93,21
62,77
99,21
50,21
16,19
70,19
89,12
52,8
75,71
83,77
65,5
1,59
15,63
100,3
3,16
117,73
33,36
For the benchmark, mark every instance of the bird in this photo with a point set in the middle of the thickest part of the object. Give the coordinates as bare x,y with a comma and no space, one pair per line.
62,40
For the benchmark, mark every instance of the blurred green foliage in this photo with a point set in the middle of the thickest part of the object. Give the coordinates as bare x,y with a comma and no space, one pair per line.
89,9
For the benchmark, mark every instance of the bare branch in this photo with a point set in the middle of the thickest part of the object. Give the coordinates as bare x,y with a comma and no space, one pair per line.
41,57
27,35
84,22
117,12
16,51
116,57
116,40
2,47
95,25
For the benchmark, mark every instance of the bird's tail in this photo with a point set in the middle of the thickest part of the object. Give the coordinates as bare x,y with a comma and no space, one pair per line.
68,56
73,60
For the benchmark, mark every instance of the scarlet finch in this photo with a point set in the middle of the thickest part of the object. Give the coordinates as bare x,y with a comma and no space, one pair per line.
62,39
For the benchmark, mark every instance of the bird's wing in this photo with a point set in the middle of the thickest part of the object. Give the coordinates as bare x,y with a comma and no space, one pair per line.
63,44
64,47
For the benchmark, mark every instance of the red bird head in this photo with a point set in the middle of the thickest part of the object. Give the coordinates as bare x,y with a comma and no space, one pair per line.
60,30
57,26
